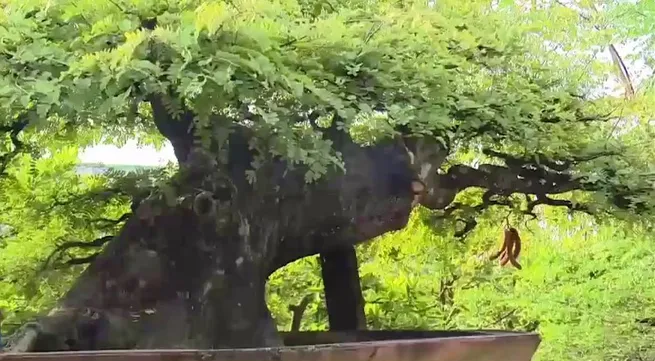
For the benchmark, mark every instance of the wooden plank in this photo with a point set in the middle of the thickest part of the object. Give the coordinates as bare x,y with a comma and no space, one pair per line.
485,347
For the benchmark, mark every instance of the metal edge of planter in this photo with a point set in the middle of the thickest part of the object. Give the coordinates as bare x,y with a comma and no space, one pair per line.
481,346
306,338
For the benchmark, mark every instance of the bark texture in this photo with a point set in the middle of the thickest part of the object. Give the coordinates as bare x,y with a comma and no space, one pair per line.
190,271
343,292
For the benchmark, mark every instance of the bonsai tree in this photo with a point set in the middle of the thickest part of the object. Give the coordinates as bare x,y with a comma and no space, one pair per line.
299,127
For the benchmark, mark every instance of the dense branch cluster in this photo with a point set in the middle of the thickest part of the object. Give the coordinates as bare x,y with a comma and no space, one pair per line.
536,177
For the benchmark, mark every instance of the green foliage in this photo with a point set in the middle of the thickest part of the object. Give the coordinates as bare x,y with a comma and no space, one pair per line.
47,206
458,72
583,285
29,237
514,76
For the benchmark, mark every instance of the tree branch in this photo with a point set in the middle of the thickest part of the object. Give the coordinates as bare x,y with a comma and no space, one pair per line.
14,130
79,260
298,311
540,160
545,200
535,176
112,222
58,252
178,131
502,180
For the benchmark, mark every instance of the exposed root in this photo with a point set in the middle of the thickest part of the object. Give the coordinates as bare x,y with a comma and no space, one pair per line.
24,339
72,330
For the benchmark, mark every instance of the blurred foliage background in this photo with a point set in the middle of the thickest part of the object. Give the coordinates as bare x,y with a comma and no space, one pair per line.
585,286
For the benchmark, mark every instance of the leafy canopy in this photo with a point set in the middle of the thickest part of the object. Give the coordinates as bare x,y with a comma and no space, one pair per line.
94,63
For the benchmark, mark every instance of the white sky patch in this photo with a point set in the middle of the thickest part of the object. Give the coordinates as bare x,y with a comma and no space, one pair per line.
130,154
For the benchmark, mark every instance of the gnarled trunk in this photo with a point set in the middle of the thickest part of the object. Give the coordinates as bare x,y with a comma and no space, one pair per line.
189,271
173,280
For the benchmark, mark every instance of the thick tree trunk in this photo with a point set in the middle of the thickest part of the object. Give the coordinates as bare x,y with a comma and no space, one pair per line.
190,272
343,293
169,281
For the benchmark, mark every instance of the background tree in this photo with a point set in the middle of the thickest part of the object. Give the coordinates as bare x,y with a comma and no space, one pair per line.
266,104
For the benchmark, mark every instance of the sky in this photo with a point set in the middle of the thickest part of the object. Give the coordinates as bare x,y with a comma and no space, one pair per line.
130,154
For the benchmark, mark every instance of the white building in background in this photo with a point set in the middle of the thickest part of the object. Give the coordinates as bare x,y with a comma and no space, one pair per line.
131,156
99,168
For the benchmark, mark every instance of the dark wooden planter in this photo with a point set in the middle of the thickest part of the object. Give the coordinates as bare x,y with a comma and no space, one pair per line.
338,346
